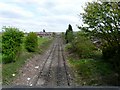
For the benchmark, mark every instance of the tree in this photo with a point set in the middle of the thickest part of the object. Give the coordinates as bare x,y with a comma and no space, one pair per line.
103,20
70,28
53,34
43,30
69,34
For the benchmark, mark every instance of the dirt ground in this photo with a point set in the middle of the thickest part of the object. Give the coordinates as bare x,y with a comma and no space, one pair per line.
47,70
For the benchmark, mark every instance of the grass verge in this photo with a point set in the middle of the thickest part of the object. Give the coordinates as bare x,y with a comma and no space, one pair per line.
11,69
93,72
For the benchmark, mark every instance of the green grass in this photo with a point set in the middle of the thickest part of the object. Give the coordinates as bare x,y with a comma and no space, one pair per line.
43,43
91,72
42,40
13,68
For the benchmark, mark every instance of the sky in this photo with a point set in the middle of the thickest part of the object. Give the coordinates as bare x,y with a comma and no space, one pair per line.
36,15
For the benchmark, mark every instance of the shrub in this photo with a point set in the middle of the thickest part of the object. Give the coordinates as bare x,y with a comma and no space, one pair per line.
31,42
70,36
82,46
111,54
53,34
11,44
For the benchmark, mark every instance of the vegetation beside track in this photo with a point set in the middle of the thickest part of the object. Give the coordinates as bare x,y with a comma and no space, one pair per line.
99,35
88,64
11,70
93,72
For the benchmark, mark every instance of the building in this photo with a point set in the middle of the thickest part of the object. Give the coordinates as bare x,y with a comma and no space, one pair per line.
41,34
44,34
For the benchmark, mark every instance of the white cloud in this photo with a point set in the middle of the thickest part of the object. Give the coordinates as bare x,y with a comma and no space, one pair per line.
34,15
44,11
6,7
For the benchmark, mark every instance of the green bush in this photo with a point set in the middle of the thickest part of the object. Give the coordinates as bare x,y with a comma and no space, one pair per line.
69,47
31,42
82,46
70,36
11,44
111,54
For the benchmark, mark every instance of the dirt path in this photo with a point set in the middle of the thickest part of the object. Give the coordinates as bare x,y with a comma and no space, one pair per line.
47,70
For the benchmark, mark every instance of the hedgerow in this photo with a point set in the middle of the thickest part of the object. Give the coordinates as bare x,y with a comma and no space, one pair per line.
31,42
11,44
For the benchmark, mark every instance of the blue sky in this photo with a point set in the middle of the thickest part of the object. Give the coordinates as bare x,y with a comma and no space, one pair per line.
36,15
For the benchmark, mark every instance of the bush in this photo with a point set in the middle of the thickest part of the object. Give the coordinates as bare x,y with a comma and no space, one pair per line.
82,46
111,54
70,36
31,42
11,44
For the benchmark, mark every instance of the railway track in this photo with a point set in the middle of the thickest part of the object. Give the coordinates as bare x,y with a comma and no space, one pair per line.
65,67
43,72
54,70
